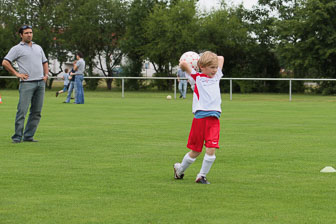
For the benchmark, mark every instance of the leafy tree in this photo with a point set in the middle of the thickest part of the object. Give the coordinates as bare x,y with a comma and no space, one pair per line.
134,39
170,30
110,29
223,32
80,33
39,14
306,35
264,62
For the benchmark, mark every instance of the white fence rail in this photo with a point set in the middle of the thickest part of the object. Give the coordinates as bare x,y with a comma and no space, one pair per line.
290,80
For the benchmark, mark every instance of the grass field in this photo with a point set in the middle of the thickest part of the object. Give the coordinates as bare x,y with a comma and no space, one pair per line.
111,161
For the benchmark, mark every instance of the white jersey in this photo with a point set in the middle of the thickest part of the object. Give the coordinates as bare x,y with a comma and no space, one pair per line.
207,96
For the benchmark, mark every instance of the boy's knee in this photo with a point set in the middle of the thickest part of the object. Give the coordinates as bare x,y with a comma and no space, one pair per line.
210,151
210,158
194,154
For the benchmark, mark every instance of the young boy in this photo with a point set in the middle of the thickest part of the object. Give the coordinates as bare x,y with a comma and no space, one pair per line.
65,76
72,79
207,109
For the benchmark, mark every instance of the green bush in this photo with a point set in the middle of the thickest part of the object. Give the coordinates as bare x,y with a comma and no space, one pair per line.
92,84
163,84
7,83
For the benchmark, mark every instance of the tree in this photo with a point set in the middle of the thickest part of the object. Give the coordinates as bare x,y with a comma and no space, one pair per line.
306,35
110,29
40,14
171,31
134,40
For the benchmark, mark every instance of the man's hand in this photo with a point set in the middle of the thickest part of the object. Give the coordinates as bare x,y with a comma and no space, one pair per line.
45,78
8,66
22,76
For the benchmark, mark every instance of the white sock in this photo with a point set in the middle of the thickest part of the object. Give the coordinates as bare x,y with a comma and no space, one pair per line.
186,162
206,165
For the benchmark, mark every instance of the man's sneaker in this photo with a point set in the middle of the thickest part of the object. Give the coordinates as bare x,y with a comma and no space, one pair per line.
57,94
202,180
177,175
30,140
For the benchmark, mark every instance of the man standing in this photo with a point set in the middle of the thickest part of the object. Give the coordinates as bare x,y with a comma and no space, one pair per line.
33,74
182,83
79,68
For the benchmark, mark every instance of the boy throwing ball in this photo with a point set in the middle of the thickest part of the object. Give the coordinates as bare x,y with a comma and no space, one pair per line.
207,109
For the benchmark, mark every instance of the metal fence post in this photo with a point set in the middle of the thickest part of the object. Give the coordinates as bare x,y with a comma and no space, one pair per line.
174,88
231,89
122,87
290,90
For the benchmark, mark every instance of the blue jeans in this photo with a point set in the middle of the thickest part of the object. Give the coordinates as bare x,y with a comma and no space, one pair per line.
31,93
182,86
71,87
79,99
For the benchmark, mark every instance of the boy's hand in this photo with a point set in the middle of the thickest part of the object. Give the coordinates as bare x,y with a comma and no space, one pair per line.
220,61
185,67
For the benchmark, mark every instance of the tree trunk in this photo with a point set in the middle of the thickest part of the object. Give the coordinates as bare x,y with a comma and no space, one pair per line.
109,83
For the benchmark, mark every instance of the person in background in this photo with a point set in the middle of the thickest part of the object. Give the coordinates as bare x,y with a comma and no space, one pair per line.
182,83
72,79
79,68
65,77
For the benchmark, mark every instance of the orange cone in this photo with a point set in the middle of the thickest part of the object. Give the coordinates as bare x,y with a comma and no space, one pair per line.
0,100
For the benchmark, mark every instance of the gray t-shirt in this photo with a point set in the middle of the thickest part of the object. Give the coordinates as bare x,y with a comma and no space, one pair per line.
181,74
66,78
29,59
80,67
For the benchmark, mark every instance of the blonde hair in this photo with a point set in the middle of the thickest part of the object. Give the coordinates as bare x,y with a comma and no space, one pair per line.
208,58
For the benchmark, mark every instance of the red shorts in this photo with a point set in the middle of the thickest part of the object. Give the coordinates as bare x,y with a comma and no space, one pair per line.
204,131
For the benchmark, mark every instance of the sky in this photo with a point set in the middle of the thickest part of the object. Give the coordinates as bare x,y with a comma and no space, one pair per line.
208,4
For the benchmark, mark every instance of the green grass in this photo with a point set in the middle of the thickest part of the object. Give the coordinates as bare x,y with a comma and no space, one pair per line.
111,161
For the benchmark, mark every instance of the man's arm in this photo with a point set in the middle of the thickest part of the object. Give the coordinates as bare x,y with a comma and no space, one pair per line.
75,68
45,71
8,66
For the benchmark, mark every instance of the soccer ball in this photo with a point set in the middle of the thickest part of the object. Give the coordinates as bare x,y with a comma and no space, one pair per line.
169,97
191,58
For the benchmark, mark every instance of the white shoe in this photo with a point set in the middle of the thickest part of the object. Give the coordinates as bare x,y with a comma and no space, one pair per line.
177,174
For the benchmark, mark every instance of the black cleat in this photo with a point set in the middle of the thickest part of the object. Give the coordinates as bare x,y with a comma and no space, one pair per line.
202,180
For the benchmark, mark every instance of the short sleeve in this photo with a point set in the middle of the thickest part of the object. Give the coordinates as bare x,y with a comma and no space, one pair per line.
219,73
44,58
12,54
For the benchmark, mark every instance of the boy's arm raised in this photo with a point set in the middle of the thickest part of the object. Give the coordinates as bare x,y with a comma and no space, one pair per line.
220,62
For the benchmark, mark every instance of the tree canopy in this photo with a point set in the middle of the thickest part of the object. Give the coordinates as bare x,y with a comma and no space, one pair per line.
295,35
